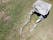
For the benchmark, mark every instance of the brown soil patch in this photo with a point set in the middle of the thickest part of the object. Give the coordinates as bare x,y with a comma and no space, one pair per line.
5,1
5,17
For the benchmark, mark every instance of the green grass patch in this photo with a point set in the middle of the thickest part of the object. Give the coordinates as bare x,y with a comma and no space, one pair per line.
17,10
